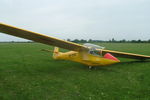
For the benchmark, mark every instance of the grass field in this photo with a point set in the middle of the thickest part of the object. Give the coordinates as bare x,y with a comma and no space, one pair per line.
26,73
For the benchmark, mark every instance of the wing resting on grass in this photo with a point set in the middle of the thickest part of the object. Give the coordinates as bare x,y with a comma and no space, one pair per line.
11,30
126,55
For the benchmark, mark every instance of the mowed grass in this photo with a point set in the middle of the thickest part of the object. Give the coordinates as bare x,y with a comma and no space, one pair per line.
26,73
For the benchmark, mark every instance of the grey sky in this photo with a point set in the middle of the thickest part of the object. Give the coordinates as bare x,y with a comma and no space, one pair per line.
82,19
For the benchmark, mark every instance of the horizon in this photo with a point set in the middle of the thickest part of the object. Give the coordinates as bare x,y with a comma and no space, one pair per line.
87,40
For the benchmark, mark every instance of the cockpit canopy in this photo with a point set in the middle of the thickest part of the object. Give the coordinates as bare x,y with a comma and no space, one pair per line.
92,49
89,45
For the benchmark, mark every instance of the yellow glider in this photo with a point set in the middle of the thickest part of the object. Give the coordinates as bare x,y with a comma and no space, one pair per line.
88,54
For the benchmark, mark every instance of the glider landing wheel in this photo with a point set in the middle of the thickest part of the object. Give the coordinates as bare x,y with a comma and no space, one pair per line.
90,67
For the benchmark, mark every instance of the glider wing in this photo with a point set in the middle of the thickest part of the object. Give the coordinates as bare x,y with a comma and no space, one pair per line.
11,30
125,55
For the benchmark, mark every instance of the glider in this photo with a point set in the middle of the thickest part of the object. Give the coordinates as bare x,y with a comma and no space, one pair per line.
88,54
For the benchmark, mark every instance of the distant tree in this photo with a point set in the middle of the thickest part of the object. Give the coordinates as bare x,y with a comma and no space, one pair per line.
113,40
122,41
83,41
109,40
139,41
133,41
76,41
90,40
68,40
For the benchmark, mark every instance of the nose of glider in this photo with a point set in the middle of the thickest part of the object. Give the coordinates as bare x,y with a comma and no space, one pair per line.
109,56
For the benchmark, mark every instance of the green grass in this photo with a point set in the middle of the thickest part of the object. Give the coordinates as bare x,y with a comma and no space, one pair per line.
26,73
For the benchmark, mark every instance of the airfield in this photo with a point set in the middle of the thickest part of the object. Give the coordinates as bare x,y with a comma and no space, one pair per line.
27,73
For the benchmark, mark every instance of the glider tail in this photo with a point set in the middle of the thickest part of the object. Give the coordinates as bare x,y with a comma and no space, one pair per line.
56,52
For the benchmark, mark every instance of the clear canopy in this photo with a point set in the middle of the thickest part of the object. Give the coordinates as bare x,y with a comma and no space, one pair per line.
89,45
93,49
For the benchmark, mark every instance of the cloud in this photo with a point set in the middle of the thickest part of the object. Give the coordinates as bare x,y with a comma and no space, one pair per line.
96,19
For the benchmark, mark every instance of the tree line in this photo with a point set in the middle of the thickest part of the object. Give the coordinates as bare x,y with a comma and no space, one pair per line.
90,41
109,41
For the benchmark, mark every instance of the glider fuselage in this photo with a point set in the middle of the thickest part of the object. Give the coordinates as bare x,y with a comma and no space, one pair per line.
84,58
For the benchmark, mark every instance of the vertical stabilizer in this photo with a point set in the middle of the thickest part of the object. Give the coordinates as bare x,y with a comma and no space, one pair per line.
56,52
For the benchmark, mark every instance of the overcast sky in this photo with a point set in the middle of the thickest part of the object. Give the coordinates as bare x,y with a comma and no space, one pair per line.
81,19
